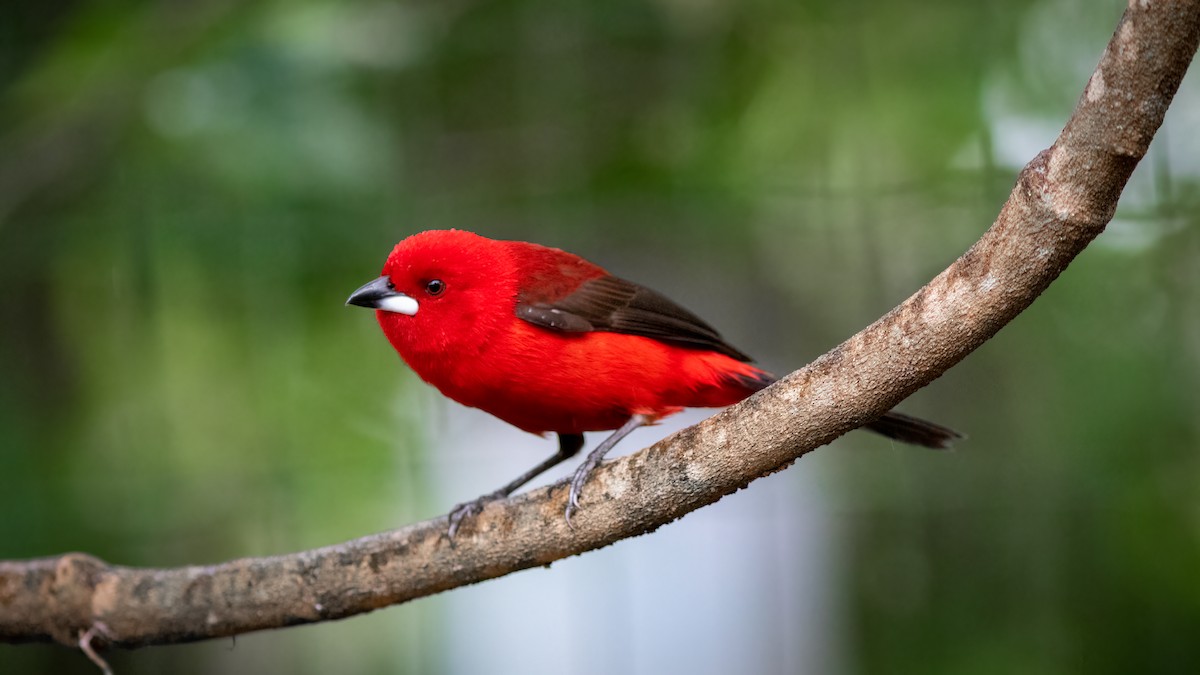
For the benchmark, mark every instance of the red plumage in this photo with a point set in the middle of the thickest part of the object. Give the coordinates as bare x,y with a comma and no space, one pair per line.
470,344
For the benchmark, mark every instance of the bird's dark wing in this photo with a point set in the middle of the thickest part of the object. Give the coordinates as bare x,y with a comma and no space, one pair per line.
608,303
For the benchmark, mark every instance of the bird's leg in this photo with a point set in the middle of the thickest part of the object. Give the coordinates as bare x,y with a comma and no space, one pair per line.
568,446
594,457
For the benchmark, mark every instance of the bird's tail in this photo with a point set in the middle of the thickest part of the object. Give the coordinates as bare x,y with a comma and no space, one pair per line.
908,429
894,425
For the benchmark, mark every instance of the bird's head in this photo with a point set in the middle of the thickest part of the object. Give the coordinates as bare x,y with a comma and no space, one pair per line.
441,291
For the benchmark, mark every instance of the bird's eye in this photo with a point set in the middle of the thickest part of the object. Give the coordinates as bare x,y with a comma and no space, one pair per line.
435,287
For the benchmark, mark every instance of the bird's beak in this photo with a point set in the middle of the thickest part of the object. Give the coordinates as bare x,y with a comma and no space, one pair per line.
380,294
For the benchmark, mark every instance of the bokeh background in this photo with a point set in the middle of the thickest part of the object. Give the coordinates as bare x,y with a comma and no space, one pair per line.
190,191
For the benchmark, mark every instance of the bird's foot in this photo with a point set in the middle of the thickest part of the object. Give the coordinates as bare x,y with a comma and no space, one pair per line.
581,475
469,509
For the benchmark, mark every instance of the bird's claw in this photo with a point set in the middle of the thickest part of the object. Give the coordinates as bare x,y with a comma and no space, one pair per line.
577,482
468,509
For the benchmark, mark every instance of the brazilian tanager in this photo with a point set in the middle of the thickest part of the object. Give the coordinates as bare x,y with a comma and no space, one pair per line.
550,342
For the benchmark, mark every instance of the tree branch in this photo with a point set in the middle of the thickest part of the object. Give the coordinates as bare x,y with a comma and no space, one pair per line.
1062,200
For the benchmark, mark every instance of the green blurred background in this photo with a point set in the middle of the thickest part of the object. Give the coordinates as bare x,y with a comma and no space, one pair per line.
189,192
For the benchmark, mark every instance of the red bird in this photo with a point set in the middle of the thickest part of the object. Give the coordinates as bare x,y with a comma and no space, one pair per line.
550,342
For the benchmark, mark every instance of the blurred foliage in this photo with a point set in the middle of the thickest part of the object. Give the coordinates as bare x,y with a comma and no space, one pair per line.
188,192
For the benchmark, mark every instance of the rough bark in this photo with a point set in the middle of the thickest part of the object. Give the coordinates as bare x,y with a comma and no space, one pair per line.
1062,200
